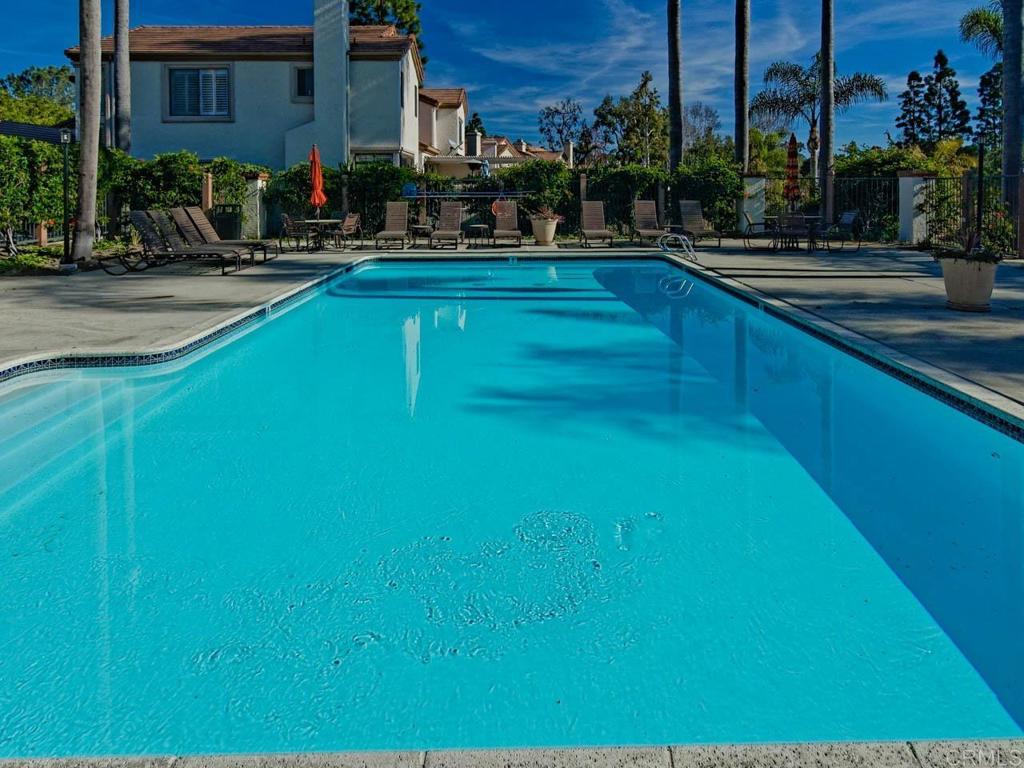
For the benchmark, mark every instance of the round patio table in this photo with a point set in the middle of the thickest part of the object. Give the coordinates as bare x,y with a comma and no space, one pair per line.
319,228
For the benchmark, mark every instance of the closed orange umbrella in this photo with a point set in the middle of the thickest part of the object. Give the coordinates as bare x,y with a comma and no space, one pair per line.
316,171
792,189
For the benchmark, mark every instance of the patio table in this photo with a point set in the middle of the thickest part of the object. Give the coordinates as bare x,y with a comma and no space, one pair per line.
789,243
319,227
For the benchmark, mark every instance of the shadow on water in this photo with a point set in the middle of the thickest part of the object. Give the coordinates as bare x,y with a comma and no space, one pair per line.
938,495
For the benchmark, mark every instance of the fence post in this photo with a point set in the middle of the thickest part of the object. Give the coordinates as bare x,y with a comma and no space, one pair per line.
207,191
913,222
662,218
583,187
42,236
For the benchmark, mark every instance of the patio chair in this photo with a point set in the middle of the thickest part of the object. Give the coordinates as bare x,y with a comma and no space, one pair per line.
592,224
396,225
293,230
449,226
506,223
757,229
791,229
169,231
645,222
209,235
350,227
694,225
846,231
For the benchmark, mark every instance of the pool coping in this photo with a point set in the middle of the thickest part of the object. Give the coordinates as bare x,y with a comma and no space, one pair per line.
981,403
1001,753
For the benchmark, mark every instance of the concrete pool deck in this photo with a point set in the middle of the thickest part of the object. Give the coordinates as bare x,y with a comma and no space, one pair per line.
901,754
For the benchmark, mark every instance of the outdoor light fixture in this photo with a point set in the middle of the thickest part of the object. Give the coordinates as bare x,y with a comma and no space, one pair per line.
66,264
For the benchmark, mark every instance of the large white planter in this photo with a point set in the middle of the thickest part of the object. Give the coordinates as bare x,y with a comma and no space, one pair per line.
969,284
544,230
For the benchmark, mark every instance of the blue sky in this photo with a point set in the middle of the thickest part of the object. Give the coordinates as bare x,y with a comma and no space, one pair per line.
515,58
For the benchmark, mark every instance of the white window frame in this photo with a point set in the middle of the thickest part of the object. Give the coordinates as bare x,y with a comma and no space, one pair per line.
295,84
200,66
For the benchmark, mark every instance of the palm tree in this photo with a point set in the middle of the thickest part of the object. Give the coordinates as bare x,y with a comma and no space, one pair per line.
89,72
122,77
793,93
675,85
742,84
1013,81
827,61
984,28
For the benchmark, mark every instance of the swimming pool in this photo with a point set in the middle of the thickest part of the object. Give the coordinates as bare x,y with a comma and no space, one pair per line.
482,505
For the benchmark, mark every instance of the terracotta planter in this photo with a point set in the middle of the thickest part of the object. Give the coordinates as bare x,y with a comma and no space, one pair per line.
544,230
969,283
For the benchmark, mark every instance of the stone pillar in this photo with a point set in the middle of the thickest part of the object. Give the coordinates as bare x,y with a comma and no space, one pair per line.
206,196
913,223
570,154
254,212
754,202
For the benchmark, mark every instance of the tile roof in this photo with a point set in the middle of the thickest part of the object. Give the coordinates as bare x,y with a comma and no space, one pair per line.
156,43
447,97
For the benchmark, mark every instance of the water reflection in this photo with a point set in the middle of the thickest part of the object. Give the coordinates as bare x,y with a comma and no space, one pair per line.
938,495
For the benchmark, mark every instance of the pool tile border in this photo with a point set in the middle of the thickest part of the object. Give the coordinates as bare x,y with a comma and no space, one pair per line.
992,753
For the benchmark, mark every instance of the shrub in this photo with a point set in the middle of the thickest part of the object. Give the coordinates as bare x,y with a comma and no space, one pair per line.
716,182
231,179
14,189
618,187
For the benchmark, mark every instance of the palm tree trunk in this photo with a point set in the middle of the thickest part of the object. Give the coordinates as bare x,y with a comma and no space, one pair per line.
1013,82
675,85
122,77
90,68
828,109
742,84
812,151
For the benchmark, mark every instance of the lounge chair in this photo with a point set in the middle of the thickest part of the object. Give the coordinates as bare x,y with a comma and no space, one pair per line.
156,251
396,225
210,237
506,223
293,230
449,226
592,225
350,227
755,230
179,250
645,222
694,225
845,231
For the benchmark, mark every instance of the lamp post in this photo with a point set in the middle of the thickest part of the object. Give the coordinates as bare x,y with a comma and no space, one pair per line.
66,264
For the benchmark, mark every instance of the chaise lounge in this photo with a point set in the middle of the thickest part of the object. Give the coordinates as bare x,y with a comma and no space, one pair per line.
506,223
694,225
593,226
645,222
396,225
449,227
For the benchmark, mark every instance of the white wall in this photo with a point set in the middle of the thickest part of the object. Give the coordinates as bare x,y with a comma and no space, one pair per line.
374,105
263,113
428,124
448,128
410,122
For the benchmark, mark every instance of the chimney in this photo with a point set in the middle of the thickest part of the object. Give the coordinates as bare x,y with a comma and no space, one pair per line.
330,65
570,154
474,143
522,146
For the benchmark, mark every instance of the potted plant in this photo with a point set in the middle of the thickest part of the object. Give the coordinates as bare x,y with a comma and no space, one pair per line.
969,273
545,222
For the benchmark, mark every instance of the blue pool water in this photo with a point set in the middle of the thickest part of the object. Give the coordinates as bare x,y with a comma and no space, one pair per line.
503,505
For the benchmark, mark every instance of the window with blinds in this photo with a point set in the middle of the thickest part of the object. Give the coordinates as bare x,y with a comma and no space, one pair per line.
200,92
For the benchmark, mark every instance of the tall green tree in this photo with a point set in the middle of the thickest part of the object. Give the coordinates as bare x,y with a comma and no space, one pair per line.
983,26
122,77
741,85
913,117
476,123
54,84
828,106
403,14
561,123
988,120
634,128
792,94
14,191
675,84
948,116
89,74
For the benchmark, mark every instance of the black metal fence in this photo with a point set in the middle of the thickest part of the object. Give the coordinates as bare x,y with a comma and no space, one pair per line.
876,200
972,210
